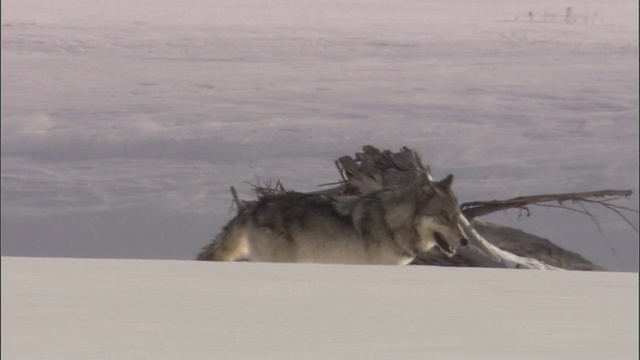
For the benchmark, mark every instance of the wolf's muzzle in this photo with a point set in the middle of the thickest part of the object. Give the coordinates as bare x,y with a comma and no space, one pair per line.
444,244
446,247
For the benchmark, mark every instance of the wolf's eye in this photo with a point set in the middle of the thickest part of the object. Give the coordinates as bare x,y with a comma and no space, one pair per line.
445,216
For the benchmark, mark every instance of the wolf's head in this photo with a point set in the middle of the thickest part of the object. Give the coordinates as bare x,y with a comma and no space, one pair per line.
437,218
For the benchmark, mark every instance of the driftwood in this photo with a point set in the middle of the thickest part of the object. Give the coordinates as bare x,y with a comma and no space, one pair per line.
490,245
479,208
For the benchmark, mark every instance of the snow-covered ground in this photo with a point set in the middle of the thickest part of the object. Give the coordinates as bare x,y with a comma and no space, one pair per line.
159,309
125,122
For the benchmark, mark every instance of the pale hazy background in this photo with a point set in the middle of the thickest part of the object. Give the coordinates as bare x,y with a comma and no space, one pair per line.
124,123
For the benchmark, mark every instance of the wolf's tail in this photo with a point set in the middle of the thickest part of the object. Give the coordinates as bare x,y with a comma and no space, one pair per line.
229,244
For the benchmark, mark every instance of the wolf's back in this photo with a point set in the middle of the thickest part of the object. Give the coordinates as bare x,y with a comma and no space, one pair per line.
275,220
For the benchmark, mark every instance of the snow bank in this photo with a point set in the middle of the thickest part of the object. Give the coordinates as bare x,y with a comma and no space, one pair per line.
134,309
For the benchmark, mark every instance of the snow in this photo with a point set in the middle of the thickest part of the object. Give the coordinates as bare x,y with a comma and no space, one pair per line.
124,123
161,309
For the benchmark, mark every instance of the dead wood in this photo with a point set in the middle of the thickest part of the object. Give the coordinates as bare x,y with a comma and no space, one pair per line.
475,209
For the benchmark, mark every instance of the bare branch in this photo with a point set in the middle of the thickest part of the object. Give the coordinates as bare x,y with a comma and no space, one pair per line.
479,208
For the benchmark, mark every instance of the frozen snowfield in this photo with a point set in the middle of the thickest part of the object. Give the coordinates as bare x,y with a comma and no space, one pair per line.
125,122
159,309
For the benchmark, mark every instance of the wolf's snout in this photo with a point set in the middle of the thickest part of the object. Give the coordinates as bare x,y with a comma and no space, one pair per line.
443,244
464,242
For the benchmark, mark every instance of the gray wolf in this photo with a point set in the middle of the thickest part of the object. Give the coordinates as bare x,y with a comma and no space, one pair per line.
390,226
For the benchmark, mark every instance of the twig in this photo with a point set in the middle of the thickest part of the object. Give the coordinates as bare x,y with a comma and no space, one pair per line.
331,183
236,200
616,209
340,171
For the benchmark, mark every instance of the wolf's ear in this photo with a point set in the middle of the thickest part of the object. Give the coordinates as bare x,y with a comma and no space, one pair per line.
446,182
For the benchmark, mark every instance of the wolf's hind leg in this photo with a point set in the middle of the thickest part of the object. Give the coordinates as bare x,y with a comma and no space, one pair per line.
227,246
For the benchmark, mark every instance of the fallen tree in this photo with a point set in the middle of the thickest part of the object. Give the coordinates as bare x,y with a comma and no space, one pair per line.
490,245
